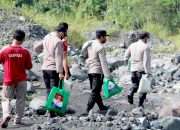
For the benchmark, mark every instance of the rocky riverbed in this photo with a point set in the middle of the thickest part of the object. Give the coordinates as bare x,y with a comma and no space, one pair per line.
162,106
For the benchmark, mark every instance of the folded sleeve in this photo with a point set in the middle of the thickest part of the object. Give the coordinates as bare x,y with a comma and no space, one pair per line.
104,64
147,60
127,55
59,57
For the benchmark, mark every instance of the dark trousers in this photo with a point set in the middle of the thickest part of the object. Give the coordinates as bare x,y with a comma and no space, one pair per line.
136,77
96,82
51,78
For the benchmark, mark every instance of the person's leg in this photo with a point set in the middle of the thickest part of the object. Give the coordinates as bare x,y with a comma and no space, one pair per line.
99,81
54,81
91,100
134,88
7,95
21,89
46,77
142,96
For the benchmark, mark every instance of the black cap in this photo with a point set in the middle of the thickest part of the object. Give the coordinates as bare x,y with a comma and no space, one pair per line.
101,33
60,29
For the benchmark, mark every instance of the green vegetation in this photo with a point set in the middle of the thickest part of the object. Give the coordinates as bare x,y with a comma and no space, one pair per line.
160,17
112,31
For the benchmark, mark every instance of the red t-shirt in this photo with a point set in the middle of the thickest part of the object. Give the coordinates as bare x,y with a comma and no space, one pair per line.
65,45
16,60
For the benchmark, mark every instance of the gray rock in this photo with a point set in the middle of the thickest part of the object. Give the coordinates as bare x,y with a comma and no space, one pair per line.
170,123
99,119
30,88
176,76
169,72
111,112
176,87
22,18
36,71
138,111
84,119
109,123
176,59
155,124
130,37
114,63
78,74
143,121
37,102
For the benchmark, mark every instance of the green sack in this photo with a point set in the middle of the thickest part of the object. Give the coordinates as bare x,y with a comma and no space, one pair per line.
129,64
111,88
58,100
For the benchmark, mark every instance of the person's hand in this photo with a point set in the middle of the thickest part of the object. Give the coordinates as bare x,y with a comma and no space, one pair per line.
61,76
66,76
148,75
110,77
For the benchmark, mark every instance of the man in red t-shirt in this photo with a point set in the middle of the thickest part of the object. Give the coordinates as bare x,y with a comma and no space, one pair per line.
16,60
65,50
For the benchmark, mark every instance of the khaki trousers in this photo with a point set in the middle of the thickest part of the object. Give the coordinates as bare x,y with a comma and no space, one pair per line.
8,93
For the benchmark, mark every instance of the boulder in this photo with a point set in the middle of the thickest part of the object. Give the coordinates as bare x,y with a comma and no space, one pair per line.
176,76
176,59
114,63
143,121
169,72
176,87
37,102
170,123
30,88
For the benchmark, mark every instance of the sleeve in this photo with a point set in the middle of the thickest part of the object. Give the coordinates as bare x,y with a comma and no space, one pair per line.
59,57
147,60
65,46
2,56
38,47
127,55
28,64
104,64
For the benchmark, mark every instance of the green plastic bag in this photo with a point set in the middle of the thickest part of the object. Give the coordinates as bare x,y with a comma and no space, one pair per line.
58,100
111,88
129,64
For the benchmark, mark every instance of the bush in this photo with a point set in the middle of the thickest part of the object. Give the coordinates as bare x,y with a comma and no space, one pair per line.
75,38
112,32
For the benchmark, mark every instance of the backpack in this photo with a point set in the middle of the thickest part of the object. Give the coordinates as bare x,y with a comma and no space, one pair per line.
85,46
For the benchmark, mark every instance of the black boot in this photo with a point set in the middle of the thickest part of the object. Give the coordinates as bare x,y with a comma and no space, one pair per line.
105,108
130,99
141,101
142,97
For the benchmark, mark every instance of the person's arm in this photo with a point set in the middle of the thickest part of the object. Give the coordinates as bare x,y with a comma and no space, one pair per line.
65,60
65,66
38,47
147,60
59,59
28,64
127,56
2,56
104,64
